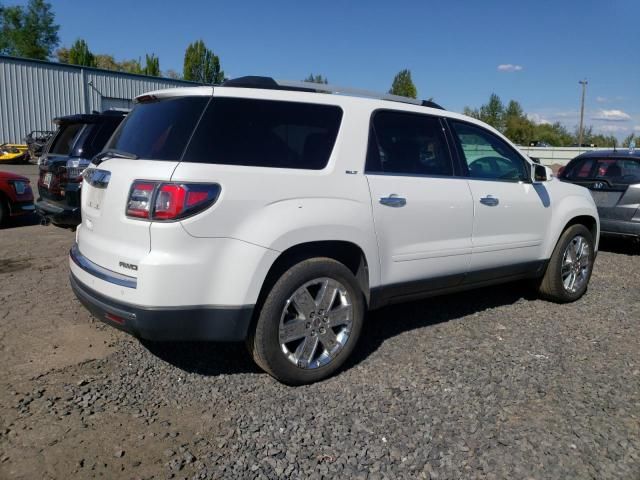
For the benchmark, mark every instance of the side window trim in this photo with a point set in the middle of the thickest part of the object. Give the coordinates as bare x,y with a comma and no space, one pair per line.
462,158
373,136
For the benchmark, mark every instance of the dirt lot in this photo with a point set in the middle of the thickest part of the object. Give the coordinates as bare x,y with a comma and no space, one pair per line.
491,384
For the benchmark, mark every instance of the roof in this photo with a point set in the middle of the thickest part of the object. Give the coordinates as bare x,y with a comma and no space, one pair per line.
268,83
90,117
612,153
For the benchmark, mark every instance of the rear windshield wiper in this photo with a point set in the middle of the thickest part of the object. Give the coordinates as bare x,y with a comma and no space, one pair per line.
113,153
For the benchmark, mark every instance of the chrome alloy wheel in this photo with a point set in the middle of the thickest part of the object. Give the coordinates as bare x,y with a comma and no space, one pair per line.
575,264
316,323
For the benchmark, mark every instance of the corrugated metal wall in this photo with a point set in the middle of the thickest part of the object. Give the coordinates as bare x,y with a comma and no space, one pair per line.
32,93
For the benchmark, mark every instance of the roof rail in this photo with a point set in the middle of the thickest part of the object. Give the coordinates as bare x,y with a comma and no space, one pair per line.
270,83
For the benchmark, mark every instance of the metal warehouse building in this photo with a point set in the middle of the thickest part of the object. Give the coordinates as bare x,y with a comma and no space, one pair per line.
33,92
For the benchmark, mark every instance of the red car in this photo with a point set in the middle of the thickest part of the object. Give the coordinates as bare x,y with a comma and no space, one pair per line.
16,197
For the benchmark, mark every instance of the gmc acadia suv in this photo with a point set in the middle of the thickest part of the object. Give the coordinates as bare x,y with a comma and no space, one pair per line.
272,213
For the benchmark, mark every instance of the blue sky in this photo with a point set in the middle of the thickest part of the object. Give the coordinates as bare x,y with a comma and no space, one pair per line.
453,48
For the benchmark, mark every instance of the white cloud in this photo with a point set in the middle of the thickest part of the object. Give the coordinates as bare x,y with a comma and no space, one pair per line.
601,99
509,67
611,128
611,116
537,118
636,128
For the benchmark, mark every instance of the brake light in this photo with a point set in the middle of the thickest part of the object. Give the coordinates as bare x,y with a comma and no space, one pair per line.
169,201
560,170
139,204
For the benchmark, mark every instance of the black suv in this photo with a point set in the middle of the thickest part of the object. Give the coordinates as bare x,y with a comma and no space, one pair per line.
77,140
613,177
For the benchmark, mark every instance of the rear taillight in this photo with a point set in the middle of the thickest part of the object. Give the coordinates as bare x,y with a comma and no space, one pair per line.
139,204
560,170
169,201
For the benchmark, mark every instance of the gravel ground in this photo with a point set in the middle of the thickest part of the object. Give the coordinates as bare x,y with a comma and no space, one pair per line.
486,384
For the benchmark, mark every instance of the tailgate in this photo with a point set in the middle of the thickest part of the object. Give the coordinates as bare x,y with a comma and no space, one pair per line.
107,237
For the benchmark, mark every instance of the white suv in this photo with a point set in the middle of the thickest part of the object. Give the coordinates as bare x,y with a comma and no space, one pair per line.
273,213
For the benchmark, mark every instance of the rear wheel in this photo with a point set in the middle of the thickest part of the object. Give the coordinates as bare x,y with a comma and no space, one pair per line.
570,266
309,322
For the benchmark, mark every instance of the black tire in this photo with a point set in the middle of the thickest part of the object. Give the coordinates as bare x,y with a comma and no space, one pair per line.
551,287
264,341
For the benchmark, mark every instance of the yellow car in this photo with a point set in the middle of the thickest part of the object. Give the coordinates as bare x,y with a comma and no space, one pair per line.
13,153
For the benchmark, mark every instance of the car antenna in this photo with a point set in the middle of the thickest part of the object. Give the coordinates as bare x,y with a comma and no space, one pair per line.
614,145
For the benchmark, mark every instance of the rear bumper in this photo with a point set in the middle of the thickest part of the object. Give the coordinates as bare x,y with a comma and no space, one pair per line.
184,323
59,215
619,227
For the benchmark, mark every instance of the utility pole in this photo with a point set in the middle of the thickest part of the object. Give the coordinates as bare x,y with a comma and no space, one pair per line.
584,88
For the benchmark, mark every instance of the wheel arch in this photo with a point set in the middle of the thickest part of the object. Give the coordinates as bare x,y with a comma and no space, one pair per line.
348,253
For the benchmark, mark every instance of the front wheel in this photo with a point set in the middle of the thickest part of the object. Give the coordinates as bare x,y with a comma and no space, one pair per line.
309,322
570,266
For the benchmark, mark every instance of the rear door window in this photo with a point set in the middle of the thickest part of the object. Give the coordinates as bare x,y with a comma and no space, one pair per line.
159,130
265,133
65,138
407,144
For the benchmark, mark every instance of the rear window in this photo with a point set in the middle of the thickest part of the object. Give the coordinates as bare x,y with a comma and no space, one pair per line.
159,130
264,133
94,138
615,170
65,138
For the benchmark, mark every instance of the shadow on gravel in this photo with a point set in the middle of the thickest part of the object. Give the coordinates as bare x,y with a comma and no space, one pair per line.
22,221
380,325
390,321
624,246
204,358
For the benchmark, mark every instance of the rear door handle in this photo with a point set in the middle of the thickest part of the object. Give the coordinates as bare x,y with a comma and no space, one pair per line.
490,201
393,200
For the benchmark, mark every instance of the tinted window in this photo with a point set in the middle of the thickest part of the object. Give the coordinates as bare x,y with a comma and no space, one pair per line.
159,130
618,170
65,138
410,144
263,133
94,138
488,156
579,169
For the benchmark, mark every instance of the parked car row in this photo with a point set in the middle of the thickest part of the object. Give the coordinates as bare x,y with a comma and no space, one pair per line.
78,139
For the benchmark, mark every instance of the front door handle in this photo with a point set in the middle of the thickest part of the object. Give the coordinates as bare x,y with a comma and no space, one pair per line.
393,200
490,201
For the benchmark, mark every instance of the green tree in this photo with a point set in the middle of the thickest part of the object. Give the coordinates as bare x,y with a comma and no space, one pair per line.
403,85
107,62
152,65
316,79
79,54
28,31
554,134
201,64
492,112
130,66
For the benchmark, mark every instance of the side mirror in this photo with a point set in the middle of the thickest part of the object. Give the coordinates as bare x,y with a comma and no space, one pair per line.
539,173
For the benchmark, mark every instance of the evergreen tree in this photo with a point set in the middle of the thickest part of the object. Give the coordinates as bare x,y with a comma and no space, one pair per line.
403,85
201,64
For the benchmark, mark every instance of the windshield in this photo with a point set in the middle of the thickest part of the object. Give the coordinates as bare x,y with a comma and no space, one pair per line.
158,130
